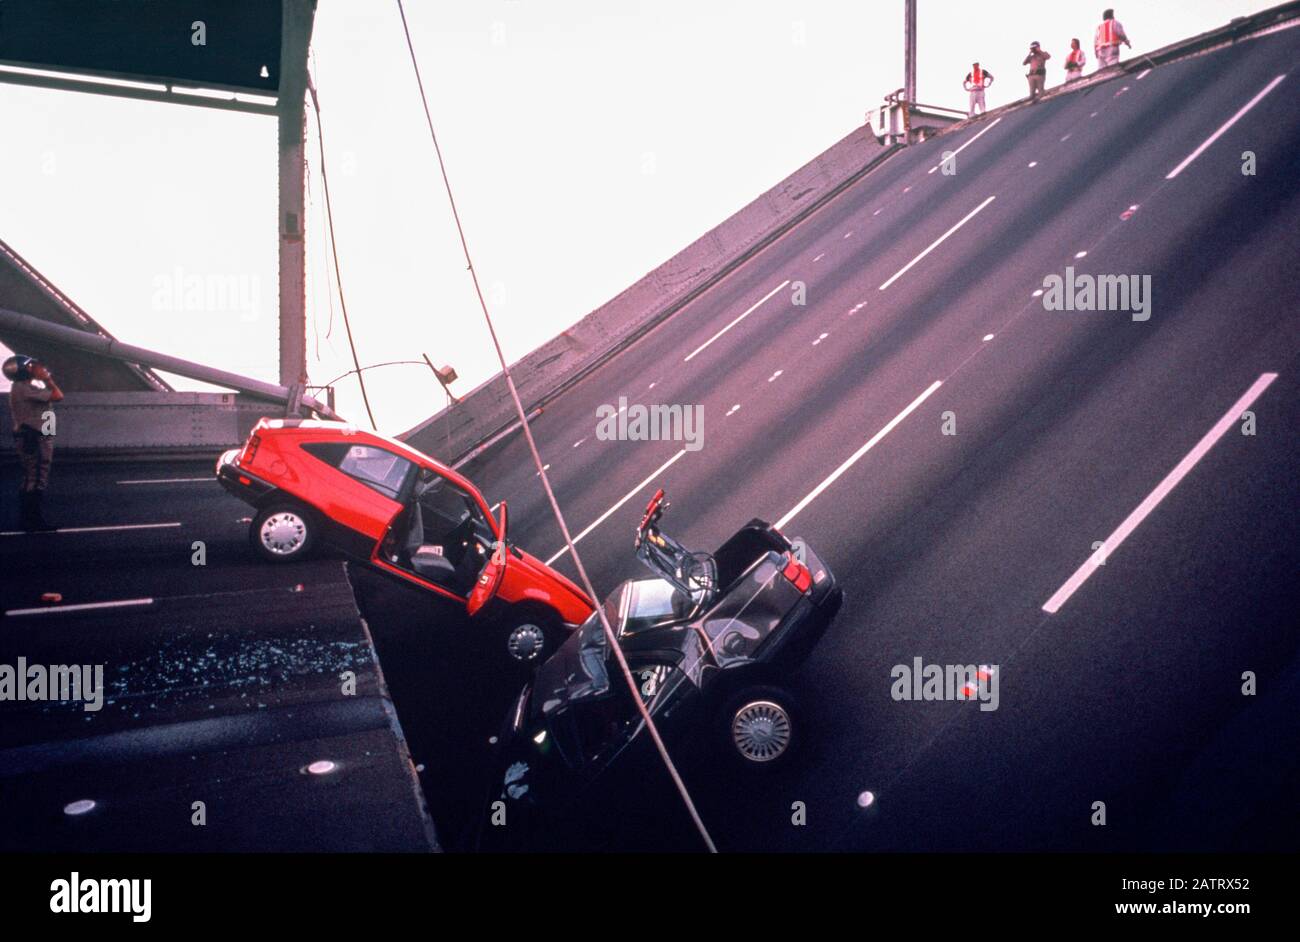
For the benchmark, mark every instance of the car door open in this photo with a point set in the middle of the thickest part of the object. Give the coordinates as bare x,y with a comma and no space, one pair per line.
489,580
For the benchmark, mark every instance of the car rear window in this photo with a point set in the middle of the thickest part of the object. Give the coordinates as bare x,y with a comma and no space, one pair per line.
375,467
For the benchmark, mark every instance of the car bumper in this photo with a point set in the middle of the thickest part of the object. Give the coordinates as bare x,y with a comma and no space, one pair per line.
811,618
240,483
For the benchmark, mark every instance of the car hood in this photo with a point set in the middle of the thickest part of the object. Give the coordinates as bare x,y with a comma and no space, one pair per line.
576,671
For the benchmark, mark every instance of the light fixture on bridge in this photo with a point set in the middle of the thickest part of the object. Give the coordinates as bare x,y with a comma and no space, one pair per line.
446,376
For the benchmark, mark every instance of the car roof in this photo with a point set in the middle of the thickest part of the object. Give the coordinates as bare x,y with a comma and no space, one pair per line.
325,430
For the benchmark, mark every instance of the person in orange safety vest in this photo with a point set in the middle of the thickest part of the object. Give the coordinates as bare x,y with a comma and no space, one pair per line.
1074,62
977,80
1110,33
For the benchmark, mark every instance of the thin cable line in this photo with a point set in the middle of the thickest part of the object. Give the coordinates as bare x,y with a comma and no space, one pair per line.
541,469
334,249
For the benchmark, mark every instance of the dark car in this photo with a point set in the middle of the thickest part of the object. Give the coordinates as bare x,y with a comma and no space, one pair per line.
708,642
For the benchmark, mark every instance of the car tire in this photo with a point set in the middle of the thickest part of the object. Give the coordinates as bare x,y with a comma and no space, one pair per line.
283,532
532,634
759,727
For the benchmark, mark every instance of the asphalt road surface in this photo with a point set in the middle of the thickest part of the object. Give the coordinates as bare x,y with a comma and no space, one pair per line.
221,682
1073,430
1118,683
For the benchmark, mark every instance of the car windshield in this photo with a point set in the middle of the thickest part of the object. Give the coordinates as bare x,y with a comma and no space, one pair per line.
652,603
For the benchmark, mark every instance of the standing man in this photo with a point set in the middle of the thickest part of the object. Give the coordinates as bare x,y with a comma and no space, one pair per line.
1074,62
976,81
33,434
1106,43
1037,62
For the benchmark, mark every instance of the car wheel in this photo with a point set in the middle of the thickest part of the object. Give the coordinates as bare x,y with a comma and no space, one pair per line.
283,532
759,727
532,635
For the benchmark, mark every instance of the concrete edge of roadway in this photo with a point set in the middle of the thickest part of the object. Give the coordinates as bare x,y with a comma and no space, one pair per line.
486,414
395,725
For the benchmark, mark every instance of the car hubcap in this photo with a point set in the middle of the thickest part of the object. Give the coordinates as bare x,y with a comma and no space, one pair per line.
761,731
526,642
283,534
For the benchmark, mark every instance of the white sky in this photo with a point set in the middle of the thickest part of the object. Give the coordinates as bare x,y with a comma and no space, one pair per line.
587,140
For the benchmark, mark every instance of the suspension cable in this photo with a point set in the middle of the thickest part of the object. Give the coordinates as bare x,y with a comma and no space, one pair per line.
334,249
610,638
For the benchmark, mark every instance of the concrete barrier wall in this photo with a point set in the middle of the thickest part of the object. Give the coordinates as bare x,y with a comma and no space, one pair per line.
572,354
145,424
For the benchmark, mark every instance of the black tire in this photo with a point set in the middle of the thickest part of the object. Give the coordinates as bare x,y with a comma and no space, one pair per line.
531,635
283,532
759,727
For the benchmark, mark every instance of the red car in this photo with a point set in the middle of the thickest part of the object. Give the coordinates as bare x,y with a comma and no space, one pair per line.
402,512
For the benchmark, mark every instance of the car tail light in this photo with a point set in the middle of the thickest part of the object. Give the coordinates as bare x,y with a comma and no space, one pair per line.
798,574
250,450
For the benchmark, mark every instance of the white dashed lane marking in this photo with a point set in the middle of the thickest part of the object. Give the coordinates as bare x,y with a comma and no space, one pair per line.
757,304
623,500
106,529
1227,124
84,607
206,480
937,242
1171,480
968,143
853,458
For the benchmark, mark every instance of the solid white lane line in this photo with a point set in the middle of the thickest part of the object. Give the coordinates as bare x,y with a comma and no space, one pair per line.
626,497
984,131
754,308
870,444
209,479
1227,124
1171,480
84,607
125,526
936,243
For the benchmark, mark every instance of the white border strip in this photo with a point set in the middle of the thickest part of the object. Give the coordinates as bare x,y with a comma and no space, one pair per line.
1131,522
